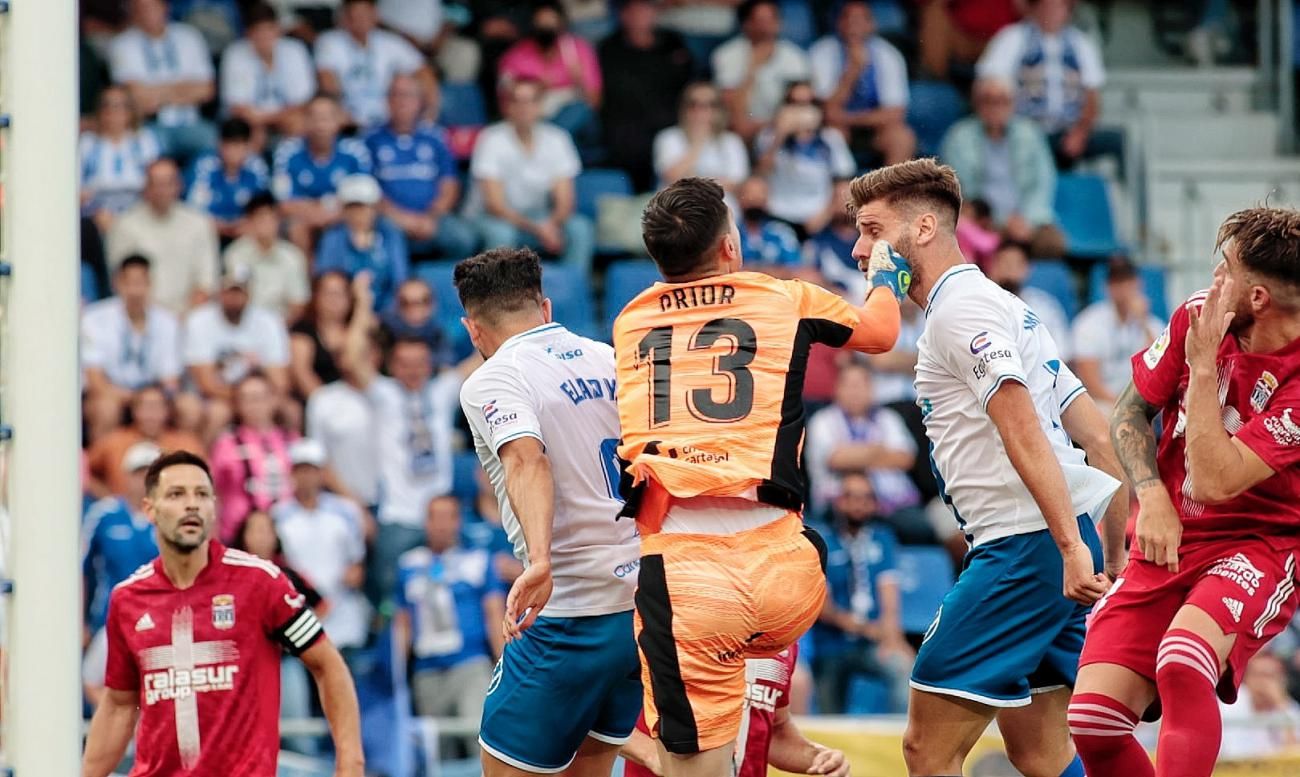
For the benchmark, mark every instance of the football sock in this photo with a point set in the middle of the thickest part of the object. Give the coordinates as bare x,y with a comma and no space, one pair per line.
1187,673
1102,730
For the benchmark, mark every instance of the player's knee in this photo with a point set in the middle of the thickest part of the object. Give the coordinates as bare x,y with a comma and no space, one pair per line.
920,755
1186,662
1040,759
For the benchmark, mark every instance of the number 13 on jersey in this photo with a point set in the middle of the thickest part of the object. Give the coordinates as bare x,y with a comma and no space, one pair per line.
714,381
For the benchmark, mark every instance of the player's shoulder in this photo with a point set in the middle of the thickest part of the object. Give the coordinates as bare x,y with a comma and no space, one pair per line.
238,563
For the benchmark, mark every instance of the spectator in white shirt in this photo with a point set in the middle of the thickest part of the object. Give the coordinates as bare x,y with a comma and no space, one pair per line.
168,70
413,413
1058,74
1009,268
267,77
229,338
323,537
1265,720
358,61
863,80
856,435
801,158
179,241
278,268
524,171
126,343
1108,333
754,68
701,145
114,158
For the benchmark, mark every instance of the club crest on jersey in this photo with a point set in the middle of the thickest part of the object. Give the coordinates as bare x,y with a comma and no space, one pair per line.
223,611
980,342
1263,392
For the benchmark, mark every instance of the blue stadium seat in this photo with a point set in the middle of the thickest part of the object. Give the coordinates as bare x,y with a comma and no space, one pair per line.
1083,212
1153,282
464,486
462,105
571,298
891,18
1053,277
625,279
924,577
933,107
596,183
866,696
797,24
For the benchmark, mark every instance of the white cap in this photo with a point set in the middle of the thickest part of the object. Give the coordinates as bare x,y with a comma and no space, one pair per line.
307,451
140,456
359,189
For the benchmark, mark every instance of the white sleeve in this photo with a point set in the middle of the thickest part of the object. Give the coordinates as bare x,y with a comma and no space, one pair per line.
893,432
500,407
196,60
999,57
737,157
1092,73
842,164
565,162
405,56
826,62
485,162
1067,387
169,348
891,76
200,346
1086,343
796,68
668,148
93,334
331,53
126,59
977,345
300,84
237,79
273,346
730,62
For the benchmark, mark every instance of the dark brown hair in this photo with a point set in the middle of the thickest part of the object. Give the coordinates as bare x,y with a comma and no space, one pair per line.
920,182
1267,242
173,459
681,225
499,281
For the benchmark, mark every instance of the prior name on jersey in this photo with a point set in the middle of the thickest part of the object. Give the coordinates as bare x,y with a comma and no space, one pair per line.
555,386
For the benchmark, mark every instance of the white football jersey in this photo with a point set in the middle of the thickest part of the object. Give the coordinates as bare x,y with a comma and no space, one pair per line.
553,385
978,336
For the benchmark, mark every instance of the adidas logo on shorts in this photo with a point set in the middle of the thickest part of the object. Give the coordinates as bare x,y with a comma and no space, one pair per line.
1234,608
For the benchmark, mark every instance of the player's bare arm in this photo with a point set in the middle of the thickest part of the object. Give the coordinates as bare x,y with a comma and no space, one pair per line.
338,697
1087,427
1012,411
1159,530
531,490
791,751
110,732
1219,466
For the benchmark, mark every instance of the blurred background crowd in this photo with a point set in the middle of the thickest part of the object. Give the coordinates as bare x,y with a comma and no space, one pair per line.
274,195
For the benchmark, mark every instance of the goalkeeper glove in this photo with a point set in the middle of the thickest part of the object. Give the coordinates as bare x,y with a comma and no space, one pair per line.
890,269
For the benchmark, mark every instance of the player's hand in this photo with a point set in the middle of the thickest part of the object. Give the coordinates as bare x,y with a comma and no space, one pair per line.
1159,530
1082,585
886,267
1210,324
829,762
527,597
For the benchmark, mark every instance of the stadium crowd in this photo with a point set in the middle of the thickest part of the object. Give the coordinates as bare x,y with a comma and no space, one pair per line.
272,194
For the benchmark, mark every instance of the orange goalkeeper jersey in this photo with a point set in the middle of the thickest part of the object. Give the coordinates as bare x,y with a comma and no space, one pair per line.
710,379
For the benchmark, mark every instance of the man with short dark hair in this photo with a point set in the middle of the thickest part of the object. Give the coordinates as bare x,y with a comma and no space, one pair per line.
194,647
1109,331
1211,578
710,370
279,269
754,68
266,76
545,427
1003,414
223,183
383,55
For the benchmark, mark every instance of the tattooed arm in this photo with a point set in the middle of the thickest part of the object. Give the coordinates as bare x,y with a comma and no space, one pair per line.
1159,529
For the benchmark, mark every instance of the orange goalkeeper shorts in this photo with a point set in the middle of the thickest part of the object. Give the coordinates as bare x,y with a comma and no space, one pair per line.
704,604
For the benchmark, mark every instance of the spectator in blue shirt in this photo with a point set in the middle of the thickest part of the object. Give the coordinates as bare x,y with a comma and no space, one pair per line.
365,241
451,604
222,183
307,171
763,239
417,174
117,538
860,631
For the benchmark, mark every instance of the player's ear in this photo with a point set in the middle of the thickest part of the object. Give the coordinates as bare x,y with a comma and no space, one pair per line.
472,328
927,226
547,314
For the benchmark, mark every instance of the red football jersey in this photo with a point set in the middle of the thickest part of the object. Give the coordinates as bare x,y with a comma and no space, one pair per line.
206,663
767,689
1259,393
